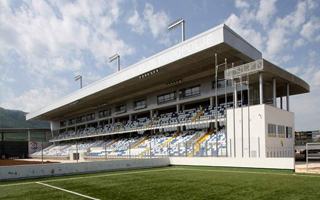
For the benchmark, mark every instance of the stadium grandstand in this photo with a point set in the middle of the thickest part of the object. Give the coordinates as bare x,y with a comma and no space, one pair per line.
213,95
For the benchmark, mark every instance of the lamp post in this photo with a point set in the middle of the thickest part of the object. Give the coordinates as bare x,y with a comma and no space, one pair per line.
241,82
216,85
177,23
79,77
216,90
115,57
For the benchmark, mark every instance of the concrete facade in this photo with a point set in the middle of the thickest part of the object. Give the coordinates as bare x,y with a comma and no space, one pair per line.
247,132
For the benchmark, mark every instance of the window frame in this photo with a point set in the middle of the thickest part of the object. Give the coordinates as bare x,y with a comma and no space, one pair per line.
171,96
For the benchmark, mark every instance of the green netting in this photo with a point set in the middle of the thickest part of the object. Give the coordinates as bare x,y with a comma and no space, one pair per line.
37,136
18,136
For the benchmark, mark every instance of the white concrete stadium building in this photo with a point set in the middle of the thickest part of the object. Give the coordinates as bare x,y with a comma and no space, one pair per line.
212,95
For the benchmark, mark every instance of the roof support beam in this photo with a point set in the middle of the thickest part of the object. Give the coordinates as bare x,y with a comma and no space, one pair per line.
274,92
288,94
261,88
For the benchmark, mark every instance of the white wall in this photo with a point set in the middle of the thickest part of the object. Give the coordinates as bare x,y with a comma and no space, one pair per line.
271,163
241,139
28,171
260,116
276,146
55,169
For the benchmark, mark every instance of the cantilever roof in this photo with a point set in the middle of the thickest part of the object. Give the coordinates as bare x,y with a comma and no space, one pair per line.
221,34
297,85
181,57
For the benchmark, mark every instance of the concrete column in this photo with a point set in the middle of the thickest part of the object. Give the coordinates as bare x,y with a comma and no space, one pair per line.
211,102
130,117
178,107
177,95
274,92
151,114
235,94
29,136
261,88
288,94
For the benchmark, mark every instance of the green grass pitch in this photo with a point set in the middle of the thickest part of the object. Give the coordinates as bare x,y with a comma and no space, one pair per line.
170,183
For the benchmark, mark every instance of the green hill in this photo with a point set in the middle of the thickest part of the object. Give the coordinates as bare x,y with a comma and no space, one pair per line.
17,119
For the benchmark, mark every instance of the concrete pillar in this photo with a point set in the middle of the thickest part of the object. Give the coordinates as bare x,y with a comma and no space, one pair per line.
151,114
178,108
261,88
130,117
29,136
211,102
288,94
235,94
274,92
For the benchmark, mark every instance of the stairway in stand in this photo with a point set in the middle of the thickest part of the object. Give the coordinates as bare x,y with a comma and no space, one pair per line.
198,143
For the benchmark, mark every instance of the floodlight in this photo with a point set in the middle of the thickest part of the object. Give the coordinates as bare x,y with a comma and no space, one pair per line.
78,77
177,23
115,57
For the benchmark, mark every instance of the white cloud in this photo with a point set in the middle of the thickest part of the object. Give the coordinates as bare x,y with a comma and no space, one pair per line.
31,99
136,22
294,70
277,36
266,11
280,34
306,105
299,43
40,33
316,78
48,40
155,22
311,30
278,41
242,4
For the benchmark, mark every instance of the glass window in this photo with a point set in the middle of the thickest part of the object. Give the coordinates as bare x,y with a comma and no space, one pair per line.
272,130
104,113
164,98
71,121
281,131
222,84
121,109
140,104
189,92
90,117
288,132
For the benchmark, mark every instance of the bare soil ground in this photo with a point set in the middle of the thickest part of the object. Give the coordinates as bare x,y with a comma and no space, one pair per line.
20,162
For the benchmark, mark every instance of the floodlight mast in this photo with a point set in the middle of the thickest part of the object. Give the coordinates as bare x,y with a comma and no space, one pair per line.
79,77
177,23
115,57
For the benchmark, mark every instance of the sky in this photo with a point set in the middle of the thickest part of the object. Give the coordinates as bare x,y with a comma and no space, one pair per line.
45,43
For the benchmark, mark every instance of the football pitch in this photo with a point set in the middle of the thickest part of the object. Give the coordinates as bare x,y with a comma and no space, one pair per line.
169,183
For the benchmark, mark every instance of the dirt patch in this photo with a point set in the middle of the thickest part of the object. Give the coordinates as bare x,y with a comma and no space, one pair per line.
21,162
